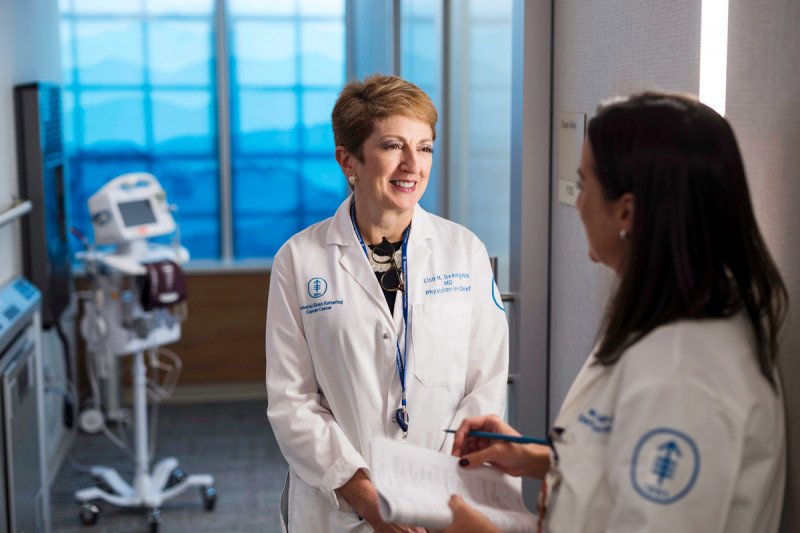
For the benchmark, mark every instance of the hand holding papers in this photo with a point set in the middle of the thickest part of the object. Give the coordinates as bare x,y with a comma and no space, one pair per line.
414,485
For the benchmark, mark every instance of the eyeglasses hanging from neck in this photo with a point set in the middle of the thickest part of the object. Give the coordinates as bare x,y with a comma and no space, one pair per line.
384,254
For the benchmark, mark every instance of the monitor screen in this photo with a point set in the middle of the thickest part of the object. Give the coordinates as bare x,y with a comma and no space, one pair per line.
137,213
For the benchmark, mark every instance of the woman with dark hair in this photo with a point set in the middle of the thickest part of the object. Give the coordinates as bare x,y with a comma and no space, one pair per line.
675,422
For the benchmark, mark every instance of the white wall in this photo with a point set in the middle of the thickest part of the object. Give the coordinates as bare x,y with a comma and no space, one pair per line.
10,262
603,49
29,51
763,104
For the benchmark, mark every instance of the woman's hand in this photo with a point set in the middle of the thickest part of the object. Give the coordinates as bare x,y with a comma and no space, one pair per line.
463,444
360,493
514,459
467,520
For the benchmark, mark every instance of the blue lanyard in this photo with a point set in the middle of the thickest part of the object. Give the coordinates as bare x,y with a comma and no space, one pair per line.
401,415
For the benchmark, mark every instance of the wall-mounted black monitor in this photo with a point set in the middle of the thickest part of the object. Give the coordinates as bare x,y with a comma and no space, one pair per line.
47,258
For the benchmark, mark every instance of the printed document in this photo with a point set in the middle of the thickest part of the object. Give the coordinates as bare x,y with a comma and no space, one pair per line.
415,484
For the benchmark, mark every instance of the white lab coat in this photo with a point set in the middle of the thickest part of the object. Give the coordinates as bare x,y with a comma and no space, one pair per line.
683,434
331,378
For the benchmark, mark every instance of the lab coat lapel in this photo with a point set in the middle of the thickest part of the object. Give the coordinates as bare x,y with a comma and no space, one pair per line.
352,258
357,265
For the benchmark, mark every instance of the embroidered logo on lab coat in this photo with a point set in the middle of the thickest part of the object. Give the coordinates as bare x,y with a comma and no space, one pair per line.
317,287
665,465
451,282
597,422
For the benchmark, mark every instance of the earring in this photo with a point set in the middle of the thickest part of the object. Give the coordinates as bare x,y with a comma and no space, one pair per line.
623,235
352,179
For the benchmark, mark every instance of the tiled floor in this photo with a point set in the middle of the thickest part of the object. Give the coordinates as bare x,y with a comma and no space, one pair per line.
232,441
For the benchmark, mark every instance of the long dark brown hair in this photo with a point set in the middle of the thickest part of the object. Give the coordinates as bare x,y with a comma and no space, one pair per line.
695,250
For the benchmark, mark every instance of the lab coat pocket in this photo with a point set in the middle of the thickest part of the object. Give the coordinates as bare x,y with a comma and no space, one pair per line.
440,337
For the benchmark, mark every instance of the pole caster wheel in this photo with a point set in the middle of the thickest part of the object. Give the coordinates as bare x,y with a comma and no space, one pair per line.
89,513
154,519
209,495
176,476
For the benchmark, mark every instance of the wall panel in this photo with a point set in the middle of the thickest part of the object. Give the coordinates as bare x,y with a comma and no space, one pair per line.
223,338
603,49
763,104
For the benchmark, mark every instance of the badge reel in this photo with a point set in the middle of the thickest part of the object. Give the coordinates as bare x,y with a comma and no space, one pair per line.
401,418
552,481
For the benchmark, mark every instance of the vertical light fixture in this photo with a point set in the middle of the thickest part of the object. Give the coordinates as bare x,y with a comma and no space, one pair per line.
714,53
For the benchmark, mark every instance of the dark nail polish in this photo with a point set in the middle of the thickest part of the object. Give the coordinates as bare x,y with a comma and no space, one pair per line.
464,462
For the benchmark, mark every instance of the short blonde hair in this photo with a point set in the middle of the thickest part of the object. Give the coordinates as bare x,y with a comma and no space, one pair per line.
361,104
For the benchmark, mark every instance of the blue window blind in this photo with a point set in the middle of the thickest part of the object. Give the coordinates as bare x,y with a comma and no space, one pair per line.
287,65
140,95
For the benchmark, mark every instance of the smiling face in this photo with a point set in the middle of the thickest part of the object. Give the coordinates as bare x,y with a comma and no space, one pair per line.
602,219
397,162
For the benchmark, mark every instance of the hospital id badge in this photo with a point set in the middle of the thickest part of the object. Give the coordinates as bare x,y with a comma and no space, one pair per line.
547,496
552,480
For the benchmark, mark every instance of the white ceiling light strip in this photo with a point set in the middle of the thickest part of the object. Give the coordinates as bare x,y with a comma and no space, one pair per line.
714,53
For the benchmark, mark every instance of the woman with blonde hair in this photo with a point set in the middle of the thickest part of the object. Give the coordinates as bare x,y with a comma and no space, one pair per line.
382,321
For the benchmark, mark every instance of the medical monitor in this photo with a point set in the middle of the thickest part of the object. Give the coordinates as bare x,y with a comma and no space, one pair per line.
129,208
136,213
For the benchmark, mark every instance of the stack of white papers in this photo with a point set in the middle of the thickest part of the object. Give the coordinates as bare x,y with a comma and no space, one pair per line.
415,484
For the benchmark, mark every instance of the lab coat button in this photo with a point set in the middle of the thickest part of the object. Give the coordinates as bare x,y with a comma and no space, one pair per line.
385,335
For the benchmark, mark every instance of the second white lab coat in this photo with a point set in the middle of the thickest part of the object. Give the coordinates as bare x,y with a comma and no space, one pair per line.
683,433
331,378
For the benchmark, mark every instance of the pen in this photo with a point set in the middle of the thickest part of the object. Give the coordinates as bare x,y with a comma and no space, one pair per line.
499,436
